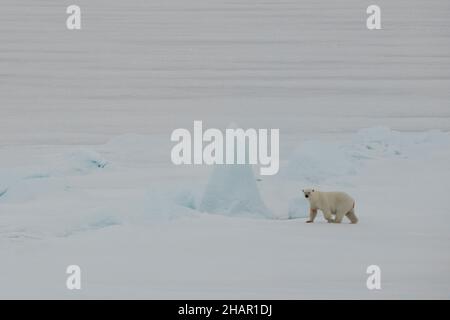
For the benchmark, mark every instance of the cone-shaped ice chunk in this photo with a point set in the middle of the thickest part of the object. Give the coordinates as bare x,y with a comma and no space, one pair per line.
232,190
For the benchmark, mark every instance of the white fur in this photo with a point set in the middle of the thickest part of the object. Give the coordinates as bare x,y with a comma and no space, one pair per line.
338,204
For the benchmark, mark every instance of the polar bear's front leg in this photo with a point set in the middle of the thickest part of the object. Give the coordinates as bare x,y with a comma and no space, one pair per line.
312,215
328,216
339,217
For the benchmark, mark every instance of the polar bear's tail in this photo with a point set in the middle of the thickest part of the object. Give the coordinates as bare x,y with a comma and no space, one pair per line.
351,214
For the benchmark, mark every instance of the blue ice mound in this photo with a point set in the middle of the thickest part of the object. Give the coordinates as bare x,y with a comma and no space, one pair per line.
232,190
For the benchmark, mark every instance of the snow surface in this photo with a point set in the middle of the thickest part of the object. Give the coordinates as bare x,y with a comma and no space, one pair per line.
136,235
86,178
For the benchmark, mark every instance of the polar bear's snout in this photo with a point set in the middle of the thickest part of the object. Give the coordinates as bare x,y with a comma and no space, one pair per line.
307,192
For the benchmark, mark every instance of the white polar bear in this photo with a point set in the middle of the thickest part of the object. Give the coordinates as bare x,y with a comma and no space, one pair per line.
339,204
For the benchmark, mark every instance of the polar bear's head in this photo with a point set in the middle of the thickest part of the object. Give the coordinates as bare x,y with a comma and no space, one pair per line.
307,192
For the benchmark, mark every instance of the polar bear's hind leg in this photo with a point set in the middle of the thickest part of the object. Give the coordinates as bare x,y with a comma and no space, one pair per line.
339,216
351,216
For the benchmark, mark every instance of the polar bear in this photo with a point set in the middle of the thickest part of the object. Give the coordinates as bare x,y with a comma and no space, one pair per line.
339,204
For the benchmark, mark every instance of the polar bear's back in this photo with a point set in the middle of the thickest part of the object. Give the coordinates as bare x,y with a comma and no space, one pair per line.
339,201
